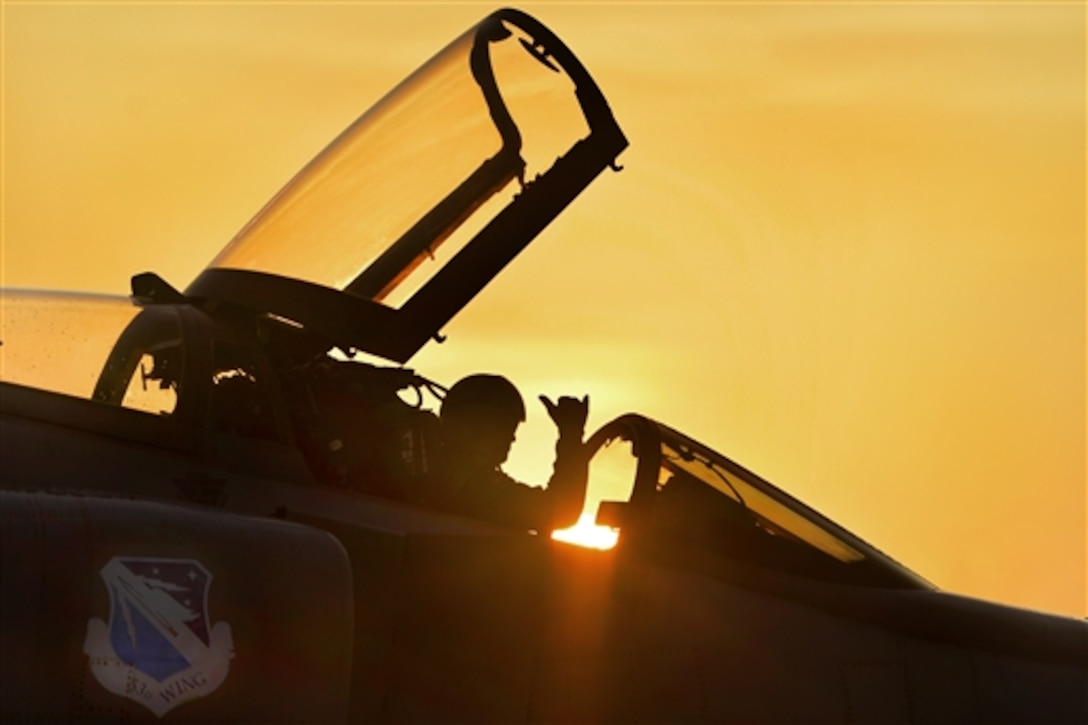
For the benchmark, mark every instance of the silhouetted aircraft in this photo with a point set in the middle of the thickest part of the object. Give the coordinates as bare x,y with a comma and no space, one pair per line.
208,509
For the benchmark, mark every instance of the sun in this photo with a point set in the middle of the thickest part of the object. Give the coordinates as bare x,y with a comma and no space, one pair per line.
587,533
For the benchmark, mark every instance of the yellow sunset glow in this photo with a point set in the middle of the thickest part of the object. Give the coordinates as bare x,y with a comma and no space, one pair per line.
847,247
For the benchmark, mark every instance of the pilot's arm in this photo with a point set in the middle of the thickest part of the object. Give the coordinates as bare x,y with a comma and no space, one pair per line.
567,487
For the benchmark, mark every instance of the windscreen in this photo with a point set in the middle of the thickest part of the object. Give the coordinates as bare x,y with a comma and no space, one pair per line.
766,507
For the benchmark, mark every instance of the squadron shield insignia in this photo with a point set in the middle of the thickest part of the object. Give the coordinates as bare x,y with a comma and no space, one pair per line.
159,648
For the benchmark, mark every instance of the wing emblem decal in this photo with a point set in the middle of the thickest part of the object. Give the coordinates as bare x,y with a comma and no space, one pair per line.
159,648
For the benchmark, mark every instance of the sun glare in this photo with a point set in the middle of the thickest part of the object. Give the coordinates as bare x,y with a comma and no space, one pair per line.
587,533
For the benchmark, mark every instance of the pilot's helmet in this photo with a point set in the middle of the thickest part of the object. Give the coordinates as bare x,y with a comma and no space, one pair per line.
483,397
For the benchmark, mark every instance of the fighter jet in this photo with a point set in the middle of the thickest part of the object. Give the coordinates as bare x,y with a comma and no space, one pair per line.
211,497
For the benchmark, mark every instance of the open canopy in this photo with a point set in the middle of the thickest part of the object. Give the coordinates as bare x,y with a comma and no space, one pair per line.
395,226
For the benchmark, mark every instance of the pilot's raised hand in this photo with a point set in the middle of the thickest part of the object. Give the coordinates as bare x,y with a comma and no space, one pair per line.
569,415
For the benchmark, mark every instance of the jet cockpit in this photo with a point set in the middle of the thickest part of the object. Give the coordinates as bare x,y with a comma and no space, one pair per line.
373,247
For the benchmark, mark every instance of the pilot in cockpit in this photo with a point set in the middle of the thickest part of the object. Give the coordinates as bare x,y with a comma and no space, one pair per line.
479,418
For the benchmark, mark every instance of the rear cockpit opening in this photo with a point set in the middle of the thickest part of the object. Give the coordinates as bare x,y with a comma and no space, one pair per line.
362,427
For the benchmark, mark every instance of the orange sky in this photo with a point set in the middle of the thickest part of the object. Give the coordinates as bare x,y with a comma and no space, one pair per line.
847,248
